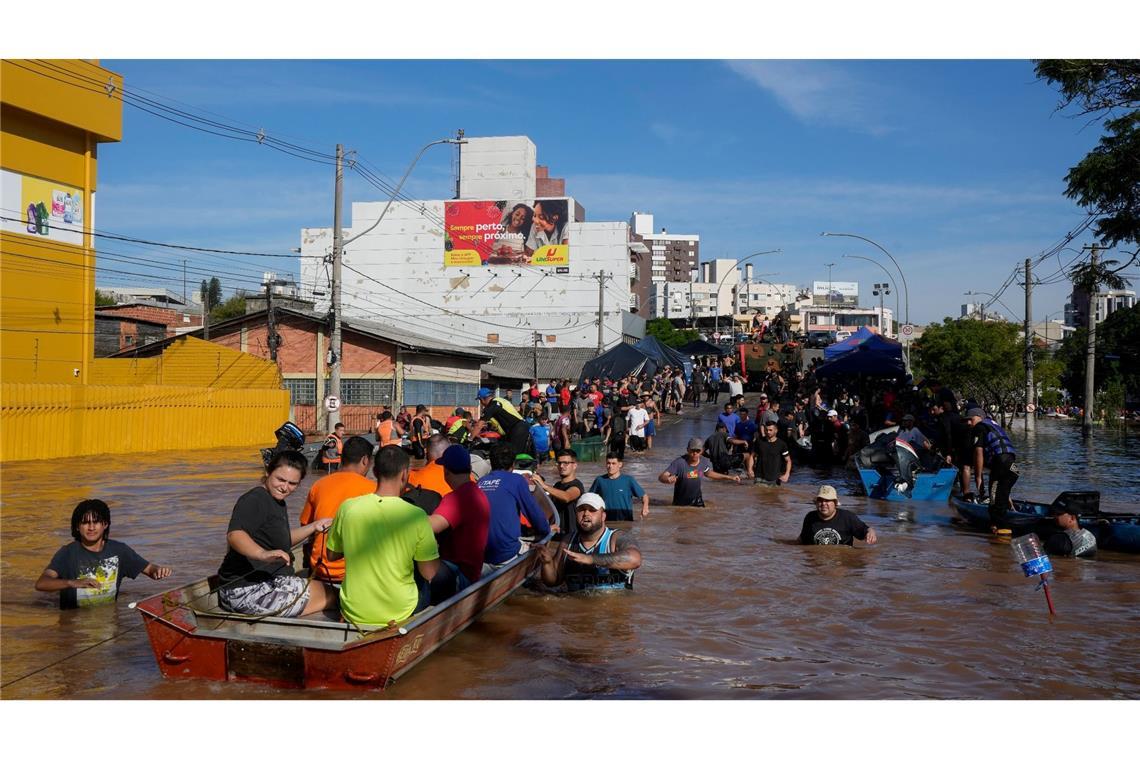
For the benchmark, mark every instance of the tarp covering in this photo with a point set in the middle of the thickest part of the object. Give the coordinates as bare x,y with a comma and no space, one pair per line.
843,346
663,355
876,356
621,360
703,348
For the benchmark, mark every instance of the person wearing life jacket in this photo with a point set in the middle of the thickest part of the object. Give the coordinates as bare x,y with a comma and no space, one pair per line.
993,449
594,556
333,448
388,431
502,417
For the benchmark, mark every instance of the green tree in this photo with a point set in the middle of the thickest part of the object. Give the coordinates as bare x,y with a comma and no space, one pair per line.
982,360
1117,355
232,307
104,299
663,330
211,293
1107,180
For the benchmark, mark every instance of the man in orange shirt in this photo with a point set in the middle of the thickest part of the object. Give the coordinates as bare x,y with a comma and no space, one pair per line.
326,496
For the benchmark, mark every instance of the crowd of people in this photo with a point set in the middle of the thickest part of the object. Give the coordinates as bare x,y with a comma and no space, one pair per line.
381,548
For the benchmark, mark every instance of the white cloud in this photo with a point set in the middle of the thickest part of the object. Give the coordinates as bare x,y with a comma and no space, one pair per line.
818,92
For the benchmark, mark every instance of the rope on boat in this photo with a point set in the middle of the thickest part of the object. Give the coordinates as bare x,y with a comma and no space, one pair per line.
179,606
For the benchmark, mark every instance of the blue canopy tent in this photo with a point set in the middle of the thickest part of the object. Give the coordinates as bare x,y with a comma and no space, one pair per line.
875,357
621,360
843,346
663,355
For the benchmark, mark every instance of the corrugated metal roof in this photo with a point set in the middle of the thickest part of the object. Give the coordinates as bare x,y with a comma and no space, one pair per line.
409,339
517,362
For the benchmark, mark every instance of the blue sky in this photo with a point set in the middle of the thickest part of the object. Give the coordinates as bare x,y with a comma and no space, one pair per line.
956,167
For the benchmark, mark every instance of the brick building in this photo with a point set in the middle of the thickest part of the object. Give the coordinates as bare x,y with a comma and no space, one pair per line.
175,320
118,332
381,365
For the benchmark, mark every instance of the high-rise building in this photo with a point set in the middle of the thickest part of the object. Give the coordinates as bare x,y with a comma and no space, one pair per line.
1107,302
670,258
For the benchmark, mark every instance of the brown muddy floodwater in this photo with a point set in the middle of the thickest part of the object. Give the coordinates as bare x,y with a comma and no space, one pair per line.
726,605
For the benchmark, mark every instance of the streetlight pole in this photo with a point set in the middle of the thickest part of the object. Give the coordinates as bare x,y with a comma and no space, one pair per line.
890,276
830,311
906,290
716,317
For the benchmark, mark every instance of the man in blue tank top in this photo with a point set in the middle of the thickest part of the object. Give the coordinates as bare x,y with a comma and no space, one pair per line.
594,556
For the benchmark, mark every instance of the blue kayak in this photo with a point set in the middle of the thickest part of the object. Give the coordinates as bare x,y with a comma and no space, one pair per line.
1113,531
928,486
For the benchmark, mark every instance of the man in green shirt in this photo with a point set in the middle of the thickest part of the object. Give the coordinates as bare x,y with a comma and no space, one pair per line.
383,539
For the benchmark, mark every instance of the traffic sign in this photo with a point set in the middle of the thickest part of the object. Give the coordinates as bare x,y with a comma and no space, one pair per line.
907,330
332,403
1031,408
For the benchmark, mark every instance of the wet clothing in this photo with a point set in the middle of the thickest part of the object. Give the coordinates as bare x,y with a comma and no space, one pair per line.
266,520
730,421
719,452
566,508
280,596
109,566
687,489
999,457
1078,542
840,529
468,515
579,576
618,494
772,459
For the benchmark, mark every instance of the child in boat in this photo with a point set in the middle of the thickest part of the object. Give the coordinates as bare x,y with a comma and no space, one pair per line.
90,569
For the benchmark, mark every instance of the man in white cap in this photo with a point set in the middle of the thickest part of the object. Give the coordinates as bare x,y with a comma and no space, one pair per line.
594,556
685,473
828,524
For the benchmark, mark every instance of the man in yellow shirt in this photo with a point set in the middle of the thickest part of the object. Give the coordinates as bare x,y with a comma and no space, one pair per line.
384,540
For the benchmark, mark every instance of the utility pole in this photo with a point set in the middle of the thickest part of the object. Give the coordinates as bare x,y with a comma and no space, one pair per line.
1030,387
602,277
335,353
830,311
1090,355
183,281
205,317
535,338
273,339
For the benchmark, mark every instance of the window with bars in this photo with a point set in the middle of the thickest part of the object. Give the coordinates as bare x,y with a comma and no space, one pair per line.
439,393
366,392
302,391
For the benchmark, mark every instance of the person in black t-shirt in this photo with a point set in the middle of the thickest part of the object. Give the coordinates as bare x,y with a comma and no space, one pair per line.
90,569
773,459
828,524
563,494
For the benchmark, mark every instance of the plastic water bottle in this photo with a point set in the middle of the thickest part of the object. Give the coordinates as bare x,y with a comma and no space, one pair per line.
1027,551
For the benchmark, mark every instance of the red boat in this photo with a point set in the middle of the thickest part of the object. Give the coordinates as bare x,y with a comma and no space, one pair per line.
192,637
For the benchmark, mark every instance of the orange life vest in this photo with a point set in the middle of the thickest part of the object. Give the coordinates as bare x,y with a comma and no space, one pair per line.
339,448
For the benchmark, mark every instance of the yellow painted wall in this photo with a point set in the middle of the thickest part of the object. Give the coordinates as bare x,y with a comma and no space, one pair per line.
56,399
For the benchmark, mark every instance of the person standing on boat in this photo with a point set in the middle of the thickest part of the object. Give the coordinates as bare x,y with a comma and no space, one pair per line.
90,569
460,523
685,473
1072,540
594,556
384,541
256,574
993,449
504,419
828,524
326,496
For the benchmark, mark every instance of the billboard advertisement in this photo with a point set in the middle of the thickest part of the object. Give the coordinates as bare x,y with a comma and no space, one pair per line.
504,233
839,290
44,207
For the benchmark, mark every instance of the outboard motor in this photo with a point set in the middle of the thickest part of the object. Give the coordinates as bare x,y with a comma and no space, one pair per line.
289,438
907,461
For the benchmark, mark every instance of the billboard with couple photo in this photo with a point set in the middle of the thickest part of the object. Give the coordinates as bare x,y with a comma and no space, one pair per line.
505,233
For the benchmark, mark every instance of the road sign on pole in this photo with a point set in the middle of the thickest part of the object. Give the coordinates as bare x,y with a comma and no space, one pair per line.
332,403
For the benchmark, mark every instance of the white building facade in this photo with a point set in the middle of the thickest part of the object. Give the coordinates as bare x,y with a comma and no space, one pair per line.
413,269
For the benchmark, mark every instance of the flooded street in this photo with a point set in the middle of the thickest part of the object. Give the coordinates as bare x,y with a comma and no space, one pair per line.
727,604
